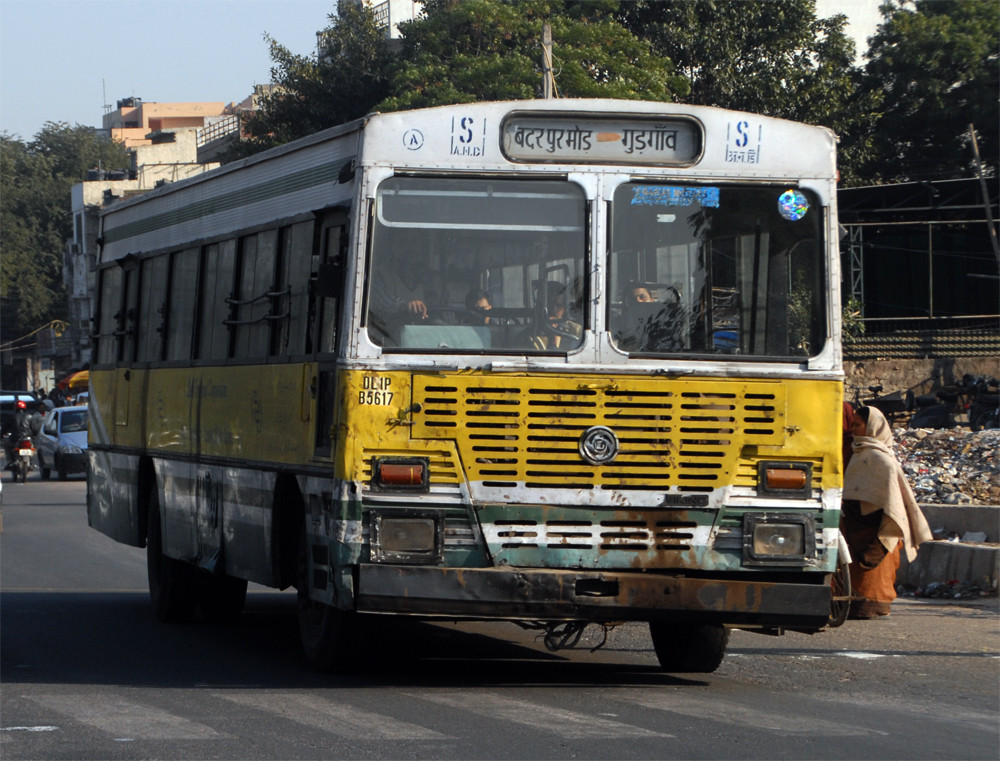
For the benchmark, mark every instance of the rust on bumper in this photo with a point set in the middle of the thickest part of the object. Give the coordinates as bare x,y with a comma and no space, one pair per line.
544,594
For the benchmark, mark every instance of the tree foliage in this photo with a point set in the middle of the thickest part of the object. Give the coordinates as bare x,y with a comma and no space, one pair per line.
477,50
934,66
35,218
932,70
342,83
772,57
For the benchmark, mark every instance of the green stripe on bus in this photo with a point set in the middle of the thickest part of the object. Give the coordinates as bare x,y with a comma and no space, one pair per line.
282,186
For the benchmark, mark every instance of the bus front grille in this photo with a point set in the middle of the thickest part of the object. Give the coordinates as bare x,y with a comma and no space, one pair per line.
676,435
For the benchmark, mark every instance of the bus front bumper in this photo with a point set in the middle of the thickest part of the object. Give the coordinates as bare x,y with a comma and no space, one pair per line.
546,594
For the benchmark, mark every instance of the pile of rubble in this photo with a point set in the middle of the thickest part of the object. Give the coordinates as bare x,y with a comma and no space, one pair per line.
949,590
952,466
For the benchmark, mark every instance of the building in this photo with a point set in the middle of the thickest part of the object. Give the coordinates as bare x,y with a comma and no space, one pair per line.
133,121
390,13
167,142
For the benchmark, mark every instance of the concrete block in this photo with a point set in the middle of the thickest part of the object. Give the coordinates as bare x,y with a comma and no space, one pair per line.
944,561
959,519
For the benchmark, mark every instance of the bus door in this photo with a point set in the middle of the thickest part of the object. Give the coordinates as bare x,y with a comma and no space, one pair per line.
329,282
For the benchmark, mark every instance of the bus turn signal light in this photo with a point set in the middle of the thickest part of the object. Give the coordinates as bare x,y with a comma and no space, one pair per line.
785,478
411,474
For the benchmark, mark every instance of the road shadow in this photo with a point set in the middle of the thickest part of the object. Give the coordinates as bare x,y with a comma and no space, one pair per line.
114,639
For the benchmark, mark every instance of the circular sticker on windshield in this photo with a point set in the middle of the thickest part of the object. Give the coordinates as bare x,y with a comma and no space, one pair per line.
792,205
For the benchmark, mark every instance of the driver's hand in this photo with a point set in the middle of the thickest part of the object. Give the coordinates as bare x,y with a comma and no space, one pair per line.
417,308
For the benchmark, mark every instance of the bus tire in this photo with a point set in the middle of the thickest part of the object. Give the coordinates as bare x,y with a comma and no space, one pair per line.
221,598
840,593
172,584
689,648
325,631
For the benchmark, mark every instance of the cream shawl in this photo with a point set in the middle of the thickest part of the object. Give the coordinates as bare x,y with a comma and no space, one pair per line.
875,478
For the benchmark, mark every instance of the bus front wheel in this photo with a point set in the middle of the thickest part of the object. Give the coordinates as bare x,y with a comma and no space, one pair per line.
689,648
172,584
326,632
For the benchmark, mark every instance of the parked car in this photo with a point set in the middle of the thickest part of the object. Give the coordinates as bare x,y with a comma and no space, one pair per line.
62,442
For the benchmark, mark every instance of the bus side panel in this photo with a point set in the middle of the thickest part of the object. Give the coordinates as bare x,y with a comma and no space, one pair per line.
222,436
112,499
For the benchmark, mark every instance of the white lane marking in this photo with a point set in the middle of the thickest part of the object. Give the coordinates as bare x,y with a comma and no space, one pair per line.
715,709
125,718
29,729
568,724
330,716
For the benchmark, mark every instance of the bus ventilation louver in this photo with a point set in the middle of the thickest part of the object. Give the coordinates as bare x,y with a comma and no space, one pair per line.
526,431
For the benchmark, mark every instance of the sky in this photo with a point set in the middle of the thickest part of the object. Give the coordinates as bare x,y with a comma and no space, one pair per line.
65,60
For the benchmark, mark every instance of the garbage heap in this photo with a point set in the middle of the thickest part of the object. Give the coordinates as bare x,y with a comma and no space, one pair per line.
952,466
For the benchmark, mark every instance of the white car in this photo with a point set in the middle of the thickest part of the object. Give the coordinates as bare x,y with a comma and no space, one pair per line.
61,443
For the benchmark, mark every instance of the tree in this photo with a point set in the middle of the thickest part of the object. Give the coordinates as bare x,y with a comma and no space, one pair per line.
476,50
935,65
772,57
35,217
343,82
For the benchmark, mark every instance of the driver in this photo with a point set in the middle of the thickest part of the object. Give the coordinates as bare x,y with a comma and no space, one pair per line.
559,326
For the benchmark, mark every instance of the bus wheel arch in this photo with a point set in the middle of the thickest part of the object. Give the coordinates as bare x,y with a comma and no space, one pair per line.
328,634
173,585
145,482
288,519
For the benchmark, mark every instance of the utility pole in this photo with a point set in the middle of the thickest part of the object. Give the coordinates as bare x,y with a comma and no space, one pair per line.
986,195
548,76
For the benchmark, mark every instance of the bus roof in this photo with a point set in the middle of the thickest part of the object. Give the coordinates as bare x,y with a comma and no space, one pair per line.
558,135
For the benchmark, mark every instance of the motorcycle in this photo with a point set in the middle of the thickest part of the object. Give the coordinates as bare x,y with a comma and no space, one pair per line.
984,404
976,396
24,458
936,410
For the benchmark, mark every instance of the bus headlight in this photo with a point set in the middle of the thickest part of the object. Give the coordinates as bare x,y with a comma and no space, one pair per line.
778,538
406,537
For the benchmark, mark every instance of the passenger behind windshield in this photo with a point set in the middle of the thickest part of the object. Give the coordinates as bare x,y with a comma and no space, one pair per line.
651,319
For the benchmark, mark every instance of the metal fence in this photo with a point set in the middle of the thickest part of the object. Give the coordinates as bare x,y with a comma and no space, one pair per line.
924,344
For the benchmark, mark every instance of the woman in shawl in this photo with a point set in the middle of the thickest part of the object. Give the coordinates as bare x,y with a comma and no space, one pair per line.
880,515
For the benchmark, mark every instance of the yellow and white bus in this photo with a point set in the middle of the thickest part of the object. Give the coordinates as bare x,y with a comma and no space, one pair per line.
555,362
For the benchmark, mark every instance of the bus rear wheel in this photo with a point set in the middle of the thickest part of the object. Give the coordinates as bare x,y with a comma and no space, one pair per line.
326,632
689,648
172,584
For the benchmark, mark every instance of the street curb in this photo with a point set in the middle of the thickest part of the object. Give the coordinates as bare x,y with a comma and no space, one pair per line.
951,559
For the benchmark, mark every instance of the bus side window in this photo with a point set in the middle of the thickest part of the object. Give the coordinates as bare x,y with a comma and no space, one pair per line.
217,283
107,322
251,302
181,308
152,309
128,316
292,282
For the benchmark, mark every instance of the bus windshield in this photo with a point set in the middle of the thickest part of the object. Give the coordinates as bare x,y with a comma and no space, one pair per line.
476,265
717,269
